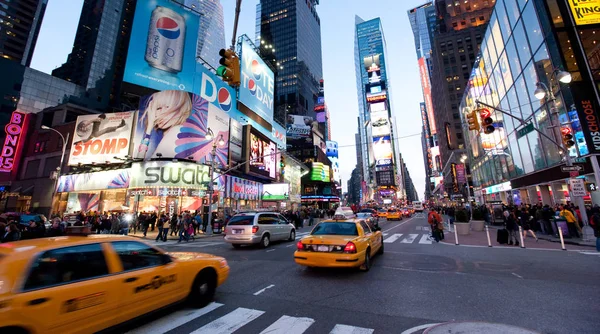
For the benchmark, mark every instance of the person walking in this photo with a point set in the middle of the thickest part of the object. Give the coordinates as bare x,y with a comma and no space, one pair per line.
571,220
527,227
595,222
173,223
434,219
160,224
165,225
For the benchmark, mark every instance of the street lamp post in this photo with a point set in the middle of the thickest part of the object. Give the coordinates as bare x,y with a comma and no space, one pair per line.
62,158
210,135
463,159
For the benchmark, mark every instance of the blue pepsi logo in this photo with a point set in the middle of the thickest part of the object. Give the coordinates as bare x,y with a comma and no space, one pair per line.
252,86
256,69
224,99
168,28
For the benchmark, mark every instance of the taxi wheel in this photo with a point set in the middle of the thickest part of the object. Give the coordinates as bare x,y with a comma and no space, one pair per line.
203,289
367,264
380,250
265,241
292,236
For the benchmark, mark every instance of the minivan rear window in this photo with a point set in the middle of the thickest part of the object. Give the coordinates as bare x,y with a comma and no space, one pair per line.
241,220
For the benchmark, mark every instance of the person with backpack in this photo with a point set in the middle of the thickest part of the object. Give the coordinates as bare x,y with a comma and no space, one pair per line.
512,226
435,220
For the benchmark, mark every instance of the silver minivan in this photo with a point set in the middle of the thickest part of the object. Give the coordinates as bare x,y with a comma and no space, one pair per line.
250,228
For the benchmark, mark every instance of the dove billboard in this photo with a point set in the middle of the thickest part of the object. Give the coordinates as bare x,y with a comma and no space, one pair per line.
162,47
257,83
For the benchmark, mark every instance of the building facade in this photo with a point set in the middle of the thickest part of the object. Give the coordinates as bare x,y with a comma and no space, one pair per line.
381,159
20,23
524,52
211,32
456,41
290,39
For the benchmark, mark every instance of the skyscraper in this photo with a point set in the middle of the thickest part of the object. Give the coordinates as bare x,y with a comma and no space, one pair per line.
211,32
381,161
290,39
20,23
460,29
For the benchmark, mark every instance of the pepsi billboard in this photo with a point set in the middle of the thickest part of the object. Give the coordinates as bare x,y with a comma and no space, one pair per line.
162,47
257,83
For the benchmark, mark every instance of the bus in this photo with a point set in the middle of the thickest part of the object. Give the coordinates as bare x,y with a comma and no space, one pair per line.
417,206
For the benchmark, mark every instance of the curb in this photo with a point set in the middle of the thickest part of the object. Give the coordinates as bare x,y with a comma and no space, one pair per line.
567,242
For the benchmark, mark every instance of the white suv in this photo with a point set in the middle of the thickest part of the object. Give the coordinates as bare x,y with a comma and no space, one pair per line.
250,228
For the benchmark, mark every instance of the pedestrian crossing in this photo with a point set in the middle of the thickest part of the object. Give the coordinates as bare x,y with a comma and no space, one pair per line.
236,320
410,238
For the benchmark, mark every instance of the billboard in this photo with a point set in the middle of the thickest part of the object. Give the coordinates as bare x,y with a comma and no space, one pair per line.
372,63
299,126
236,139
174,124
101,138
427,94
276,192
382,148
102,180
261,153
257,83
319,172
332,149
162,47
380,123
14,131
585,11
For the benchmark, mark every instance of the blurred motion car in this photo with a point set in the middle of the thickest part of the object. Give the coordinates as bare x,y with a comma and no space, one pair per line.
251,228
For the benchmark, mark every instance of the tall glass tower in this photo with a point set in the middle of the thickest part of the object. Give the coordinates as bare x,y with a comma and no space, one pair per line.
211,32
289,35
381,162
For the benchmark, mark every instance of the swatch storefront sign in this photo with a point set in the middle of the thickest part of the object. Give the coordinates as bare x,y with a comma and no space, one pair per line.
169,174
238,188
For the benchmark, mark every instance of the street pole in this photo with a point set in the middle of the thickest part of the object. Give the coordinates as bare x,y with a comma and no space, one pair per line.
62,159
210,184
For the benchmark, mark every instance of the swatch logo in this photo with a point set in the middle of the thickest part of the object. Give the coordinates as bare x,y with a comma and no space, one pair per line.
168,28
224,99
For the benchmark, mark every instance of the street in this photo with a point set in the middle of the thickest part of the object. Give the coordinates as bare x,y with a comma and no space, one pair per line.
414,285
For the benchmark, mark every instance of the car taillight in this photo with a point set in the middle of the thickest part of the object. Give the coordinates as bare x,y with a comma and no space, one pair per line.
300,245
254,229
350,248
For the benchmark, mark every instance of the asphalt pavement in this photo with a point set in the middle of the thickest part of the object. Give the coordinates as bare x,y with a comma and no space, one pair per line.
415,286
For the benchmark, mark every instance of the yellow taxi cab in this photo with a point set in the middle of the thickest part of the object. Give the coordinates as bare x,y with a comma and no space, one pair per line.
340,242
382,213
394,214
84,284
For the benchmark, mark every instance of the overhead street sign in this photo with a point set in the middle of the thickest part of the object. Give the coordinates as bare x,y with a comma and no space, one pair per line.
575,168
524,130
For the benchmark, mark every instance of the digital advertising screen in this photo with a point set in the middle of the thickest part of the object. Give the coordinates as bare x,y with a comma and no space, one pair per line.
276,192
162,48
332,148
320,172
257,83
299,126
382,148
261,153
380,123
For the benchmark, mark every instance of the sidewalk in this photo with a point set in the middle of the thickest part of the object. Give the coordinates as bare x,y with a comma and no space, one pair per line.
480,239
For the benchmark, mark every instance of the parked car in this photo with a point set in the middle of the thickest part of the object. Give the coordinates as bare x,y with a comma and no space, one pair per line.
250,228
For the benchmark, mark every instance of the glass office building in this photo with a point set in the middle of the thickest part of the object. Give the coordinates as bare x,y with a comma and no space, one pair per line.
211,32
519,53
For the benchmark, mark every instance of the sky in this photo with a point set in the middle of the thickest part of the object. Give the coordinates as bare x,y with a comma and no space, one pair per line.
337,37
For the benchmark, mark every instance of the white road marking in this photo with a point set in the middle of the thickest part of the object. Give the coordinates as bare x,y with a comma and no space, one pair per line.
391,228
519,276
425,240
409,239
345,329
271,250
197,244
291,245
263,290
230,322
418,328
300,235
289,325
384,234
392,238
174,320
590,253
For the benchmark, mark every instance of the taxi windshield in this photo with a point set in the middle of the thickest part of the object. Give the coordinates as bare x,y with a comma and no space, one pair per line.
332,228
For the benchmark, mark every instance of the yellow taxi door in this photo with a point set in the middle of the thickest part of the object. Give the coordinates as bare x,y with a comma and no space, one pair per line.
149,278
69,289
370,237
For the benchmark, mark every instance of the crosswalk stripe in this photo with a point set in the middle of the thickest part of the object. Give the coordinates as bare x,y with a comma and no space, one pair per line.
197,244
174,320
230,322
409,239
425,239
385,234
289,325
345,329
392,238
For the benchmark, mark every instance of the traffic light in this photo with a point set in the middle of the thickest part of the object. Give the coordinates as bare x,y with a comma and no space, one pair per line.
567,136
473,121
487,123
230,67
282,162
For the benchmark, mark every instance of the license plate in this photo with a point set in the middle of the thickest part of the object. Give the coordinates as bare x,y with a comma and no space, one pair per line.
238,231
322,248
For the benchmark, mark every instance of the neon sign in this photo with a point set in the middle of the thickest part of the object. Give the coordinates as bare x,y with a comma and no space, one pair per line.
13,130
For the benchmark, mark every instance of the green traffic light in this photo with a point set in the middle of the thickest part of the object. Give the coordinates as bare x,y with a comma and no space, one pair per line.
221,70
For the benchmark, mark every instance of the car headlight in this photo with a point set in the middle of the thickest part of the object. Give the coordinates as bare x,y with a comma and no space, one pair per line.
223,263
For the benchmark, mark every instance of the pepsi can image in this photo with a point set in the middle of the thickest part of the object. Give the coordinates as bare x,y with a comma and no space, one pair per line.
166,40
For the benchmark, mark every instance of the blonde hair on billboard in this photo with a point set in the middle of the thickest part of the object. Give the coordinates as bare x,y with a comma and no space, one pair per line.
170,107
